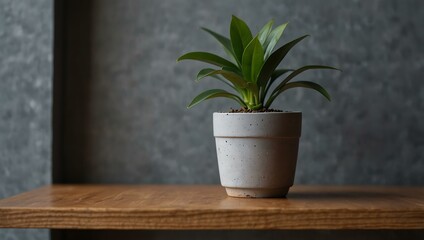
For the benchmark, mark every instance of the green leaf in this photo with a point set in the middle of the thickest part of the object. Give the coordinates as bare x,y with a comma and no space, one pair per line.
273,38
304,84
275,75
206,73
253,59
274,60
235,79
225,42
278,72
234,70
207,58
253,88
311,85
240,36
264,33
214,93
299,71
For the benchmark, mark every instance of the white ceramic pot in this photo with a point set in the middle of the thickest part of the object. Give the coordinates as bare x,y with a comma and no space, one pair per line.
257,152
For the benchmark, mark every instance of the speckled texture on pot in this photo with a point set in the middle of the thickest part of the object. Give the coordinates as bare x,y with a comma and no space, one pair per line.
257,152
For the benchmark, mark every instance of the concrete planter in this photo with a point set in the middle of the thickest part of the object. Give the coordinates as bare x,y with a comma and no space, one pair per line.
257,152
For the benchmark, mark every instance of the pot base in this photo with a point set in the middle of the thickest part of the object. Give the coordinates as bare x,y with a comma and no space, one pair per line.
257,192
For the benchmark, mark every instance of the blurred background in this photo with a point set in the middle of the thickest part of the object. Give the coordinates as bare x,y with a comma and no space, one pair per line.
120,98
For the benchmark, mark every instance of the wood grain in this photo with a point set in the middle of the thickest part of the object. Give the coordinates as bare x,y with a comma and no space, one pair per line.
208,207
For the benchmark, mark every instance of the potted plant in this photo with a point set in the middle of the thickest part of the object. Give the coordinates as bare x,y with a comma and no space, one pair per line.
256,146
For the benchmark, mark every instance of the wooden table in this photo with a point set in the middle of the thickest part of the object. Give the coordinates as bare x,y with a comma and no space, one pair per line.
208,207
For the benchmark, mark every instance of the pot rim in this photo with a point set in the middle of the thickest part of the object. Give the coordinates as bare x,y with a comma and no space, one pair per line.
257,113
254,125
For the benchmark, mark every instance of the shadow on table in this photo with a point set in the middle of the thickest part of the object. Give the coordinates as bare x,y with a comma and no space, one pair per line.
245,235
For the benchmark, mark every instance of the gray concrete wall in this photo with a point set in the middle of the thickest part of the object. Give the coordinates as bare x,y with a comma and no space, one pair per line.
25,101
371,133
137,129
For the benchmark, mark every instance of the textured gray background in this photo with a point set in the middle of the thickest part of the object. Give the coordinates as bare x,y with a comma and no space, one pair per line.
133,127
138,130
141,132
25,100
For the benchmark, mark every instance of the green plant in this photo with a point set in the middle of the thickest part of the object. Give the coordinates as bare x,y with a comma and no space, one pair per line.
252,68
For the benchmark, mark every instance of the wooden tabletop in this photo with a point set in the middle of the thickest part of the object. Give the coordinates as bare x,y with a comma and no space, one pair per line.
208,207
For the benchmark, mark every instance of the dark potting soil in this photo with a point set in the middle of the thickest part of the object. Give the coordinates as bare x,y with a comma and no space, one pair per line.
245,110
